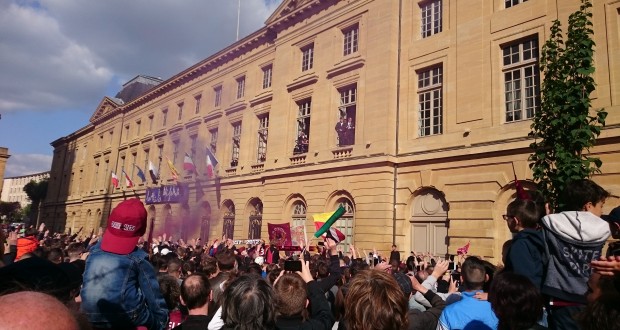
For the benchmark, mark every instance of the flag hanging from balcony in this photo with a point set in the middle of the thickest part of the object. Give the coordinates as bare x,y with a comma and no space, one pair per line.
114,180
323,223
211,163
153,172
188,164
140,174
279,234
174,173
128,181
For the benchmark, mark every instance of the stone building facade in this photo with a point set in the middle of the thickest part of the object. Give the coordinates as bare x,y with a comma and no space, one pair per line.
435,98
14,187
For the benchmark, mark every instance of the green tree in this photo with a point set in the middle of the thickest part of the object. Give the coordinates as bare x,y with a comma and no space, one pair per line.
36,191
565,127
9,211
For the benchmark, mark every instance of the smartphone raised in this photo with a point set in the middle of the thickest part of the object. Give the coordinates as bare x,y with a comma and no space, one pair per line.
292,265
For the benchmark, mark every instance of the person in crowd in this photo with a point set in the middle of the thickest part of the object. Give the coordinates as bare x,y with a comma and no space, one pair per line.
293,293
195,296
469,312
27,244
420,320
120,286
174,269
226,265
516,301
574,237
527,250
394,254
36,310
341,129
248,304
613,218
374,300
603,308
171,291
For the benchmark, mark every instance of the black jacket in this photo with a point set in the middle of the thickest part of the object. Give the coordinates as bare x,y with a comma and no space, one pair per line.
526,255
428,319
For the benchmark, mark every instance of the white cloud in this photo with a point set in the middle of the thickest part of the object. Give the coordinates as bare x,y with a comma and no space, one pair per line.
63,54
24,164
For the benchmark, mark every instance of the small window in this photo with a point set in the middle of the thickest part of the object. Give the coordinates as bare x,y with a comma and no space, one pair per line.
263,130
431,18
240,87
351,40
151,123
510,3
303,127
164,120
267,71
521,80
218,96
236,144
197,98
180,106
307,57
430,101
213,143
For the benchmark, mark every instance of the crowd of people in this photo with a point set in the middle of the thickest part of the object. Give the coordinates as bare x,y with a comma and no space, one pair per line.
553,275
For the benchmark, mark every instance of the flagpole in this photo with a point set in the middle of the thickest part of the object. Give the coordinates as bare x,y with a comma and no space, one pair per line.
238,16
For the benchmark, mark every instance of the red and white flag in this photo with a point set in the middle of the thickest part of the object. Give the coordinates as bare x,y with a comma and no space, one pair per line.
211,163
128,182
114,180
188,164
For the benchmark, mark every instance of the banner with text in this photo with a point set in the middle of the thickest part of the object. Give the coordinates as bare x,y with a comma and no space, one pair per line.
174,193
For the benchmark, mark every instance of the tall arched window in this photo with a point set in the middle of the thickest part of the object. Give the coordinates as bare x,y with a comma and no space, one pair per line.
229,219
346,222
256,219
299,214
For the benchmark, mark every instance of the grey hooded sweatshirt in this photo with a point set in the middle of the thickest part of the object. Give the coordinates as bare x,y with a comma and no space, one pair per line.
573,239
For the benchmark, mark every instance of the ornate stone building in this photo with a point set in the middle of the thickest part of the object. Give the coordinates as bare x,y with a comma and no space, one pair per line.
412,114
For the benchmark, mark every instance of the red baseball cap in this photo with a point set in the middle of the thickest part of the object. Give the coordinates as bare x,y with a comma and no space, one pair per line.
126,224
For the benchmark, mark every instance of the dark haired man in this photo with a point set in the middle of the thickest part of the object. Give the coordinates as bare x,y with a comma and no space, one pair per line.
525,255
574,237
195,295
226,265
469,312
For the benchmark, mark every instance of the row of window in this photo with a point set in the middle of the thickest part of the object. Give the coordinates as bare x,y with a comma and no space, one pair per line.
432,16
521,87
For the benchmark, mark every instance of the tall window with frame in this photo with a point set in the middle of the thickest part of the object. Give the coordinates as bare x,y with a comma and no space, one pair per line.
218,96
267,72
164,119
194,144
146,160
511,3
151,120
345,128
213,143
299,214
240,87
197,100
236,144
307,57
521,79
346,222
160,149
263,130
180,107
351,39
431,19
430,101
138,124
303,126
175,151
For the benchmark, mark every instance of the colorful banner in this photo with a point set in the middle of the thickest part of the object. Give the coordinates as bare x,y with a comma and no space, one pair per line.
279,234
176,193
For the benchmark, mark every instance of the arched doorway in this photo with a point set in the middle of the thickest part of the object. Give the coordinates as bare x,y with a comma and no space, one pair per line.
228,228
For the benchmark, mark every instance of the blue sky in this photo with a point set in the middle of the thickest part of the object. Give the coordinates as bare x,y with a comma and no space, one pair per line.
59,58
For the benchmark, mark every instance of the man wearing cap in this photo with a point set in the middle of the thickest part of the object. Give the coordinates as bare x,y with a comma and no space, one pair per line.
120,289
